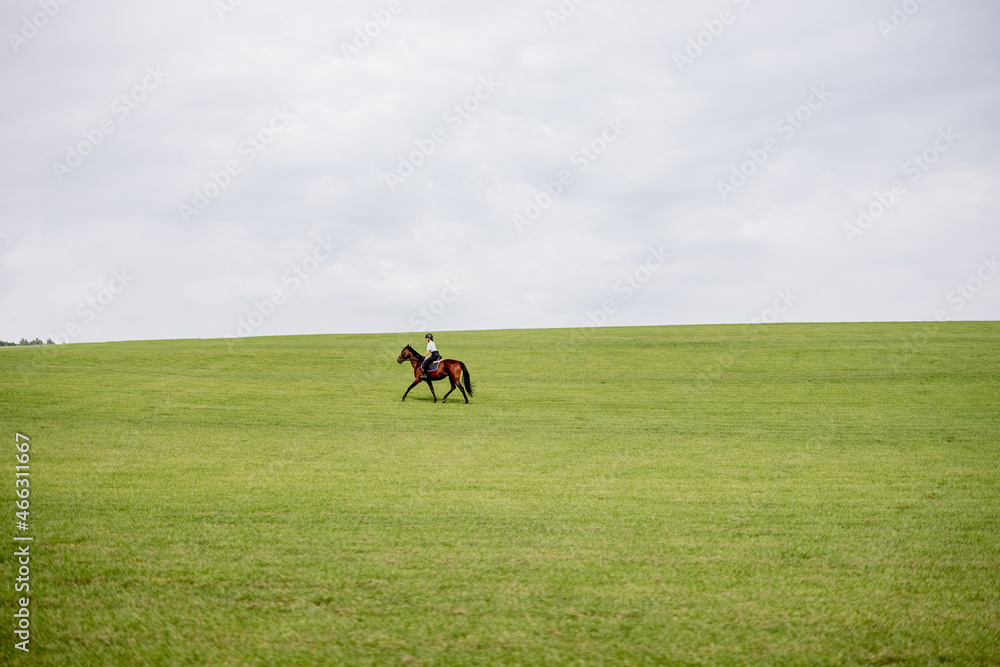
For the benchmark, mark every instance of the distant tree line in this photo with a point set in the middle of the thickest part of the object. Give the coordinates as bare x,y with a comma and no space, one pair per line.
25,341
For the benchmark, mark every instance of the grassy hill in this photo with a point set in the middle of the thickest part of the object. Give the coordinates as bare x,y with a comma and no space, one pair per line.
769,494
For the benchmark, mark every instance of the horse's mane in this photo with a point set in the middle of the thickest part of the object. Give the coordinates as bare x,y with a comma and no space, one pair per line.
410,348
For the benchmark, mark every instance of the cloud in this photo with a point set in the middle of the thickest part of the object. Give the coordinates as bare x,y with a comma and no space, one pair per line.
493,154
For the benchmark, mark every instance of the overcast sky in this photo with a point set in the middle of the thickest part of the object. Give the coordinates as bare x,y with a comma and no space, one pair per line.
240,167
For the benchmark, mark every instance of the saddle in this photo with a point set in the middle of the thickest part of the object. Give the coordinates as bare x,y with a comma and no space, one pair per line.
434,366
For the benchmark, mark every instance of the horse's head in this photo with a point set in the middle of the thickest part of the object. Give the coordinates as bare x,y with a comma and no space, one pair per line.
404,355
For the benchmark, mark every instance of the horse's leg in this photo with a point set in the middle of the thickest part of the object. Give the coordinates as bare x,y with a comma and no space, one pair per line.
431,385
458,381
453,385
415,383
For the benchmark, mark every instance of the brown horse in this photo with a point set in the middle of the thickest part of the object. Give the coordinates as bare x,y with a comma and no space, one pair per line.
448,368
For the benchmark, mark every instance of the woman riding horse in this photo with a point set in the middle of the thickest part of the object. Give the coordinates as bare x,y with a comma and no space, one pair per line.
454,370
432,356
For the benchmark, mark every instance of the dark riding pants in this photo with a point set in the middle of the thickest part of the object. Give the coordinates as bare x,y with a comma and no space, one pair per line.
429,360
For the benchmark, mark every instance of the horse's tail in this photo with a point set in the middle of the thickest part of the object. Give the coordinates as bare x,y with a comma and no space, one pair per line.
465,378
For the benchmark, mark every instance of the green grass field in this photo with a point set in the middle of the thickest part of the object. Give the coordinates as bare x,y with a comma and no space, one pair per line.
745,495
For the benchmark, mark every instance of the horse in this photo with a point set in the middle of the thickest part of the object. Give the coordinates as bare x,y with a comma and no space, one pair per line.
455,371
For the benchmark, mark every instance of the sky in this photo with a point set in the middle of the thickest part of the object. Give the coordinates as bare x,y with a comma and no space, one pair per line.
232,168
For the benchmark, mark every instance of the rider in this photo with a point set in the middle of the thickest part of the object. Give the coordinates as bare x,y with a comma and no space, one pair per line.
432,356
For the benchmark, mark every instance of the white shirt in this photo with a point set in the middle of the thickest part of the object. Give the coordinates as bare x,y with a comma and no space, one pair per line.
431,347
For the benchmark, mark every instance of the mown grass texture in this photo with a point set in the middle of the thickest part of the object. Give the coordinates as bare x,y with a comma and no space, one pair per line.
768,494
